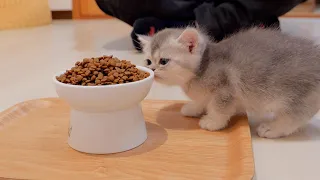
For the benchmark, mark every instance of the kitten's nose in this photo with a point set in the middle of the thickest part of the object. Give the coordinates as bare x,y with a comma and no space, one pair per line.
153,69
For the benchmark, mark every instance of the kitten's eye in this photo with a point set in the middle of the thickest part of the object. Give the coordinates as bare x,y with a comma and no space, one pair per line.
164,61
149,62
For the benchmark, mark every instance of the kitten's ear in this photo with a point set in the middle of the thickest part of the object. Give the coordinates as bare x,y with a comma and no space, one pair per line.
189,38
143,39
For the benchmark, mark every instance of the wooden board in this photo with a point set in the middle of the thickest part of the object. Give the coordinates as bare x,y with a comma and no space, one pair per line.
87,9
303,10
302,15
33,141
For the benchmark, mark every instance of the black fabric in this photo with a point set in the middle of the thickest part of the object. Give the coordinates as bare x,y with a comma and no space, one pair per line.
223,17
131,10
143,26
219,17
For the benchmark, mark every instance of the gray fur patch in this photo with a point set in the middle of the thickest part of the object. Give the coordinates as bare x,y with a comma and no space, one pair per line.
162,37
261,69
204,63
224,101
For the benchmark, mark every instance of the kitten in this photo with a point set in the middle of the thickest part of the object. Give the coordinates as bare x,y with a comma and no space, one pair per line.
260,71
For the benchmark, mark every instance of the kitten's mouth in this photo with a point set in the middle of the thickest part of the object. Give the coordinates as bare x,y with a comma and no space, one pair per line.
158,78
162,80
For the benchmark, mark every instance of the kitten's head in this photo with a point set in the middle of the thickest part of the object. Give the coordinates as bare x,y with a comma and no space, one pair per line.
174,54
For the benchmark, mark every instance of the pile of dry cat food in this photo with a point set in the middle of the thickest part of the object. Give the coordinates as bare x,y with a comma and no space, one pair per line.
104,70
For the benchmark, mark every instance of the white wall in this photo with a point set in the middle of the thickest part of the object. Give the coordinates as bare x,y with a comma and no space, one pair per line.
60,5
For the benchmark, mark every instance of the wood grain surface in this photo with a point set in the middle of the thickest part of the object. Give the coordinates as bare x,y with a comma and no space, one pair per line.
33,141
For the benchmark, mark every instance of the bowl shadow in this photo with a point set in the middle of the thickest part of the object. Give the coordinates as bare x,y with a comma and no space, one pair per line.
156,136
170,118
121,44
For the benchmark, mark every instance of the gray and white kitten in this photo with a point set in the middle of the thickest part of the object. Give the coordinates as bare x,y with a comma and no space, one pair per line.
260,71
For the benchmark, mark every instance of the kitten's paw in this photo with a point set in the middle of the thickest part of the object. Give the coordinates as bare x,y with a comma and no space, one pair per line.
210,124
265,130
191,110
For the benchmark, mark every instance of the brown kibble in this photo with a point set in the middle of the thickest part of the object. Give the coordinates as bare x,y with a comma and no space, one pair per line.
118,64
113,63
87,73
135,78
63,79
100,75
105,70
104,79
93,66
111,78
96,59
116,74
79,77
86,60
125,77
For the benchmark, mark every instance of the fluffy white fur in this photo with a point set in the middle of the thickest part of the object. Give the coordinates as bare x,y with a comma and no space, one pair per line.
258,71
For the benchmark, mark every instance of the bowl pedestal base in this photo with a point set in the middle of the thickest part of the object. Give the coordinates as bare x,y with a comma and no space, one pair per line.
104,133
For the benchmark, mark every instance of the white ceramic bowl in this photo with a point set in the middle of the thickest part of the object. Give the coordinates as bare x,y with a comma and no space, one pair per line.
106,119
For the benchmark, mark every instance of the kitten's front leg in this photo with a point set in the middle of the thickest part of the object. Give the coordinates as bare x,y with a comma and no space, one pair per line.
196,107
219,112
193,109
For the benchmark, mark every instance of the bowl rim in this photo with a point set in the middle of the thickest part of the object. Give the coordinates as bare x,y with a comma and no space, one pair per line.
141,68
